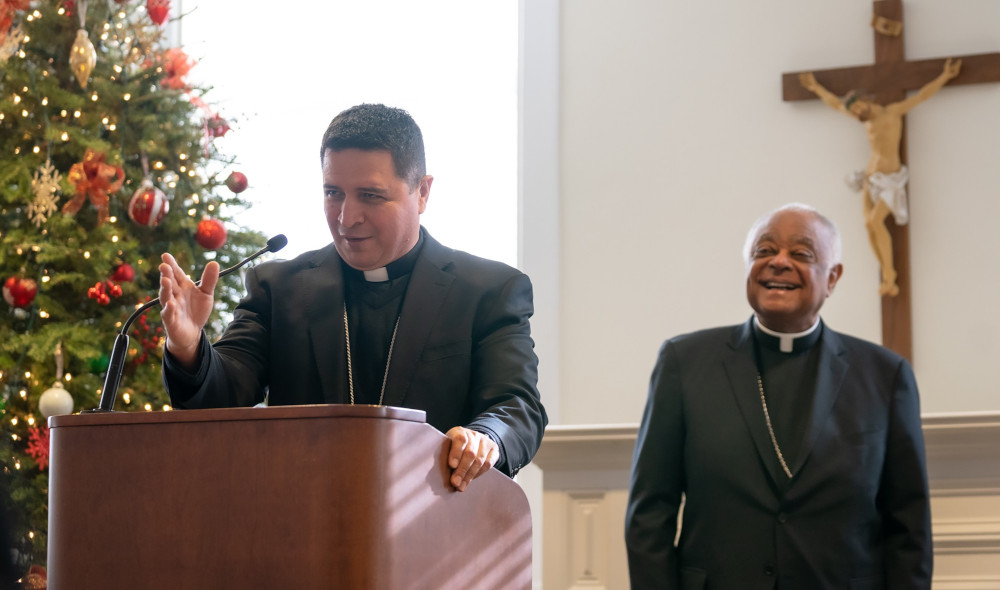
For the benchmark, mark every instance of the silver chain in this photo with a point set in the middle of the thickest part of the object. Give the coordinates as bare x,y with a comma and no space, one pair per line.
770,429
350,372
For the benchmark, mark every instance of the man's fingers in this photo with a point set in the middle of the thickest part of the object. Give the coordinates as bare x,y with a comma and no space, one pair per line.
486,458
175,269
169,269
458,441
168,282
209,277
471,455
466,461
477,466
463,454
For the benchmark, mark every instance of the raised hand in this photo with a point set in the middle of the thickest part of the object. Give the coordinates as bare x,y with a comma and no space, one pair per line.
185,307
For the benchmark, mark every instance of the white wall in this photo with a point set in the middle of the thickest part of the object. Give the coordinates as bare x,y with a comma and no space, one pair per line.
673,138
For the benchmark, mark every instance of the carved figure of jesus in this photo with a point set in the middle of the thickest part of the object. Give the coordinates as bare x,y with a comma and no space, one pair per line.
883,183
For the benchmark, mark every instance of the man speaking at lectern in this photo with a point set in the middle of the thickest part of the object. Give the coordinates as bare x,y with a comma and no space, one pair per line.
383,315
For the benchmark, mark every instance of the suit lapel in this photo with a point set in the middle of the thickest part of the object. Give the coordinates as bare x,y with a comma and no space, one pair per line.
742,372
422,305
324,294
830,374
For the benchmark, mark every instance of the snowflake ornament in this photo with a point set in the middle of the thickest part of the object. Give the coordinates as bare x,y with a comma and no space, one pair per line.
38,445
45,185
9,45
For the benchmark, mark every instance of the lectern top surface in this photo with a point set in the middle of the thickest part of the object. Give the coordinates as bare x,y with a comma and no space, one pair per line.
229,414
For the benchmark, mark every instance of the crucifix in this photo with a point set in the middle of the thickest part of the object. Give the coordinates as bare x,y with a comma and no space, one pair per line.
887,82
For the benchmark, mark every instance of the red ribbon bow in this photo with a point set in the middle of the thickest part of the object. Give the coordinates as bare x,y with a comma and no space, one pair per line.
7,10
95,179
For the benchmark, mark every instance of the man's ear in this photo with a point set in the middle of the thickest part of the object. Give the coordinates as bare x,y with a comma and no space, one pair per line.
835,272
424,191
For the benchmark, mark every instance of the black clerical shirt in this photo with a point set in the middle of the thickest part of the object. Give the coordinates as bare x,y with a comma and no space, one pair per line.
373,308
789,381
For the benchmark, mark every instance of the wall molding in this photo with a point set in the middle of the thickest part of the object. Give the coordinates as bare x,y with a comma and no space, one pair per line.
963,453
966,582
583,464
967,535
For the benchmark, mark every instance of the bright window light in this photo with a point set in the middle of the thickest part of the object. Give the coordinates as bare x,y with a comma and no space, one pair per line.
281,79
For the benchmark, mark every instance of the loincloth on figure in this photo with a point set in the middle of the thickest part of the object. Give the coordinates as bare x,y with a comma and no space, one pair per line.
888,188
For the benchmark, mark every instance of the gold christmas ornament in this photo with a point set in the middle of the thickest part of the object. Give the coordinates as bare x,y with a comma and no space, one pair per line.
82,57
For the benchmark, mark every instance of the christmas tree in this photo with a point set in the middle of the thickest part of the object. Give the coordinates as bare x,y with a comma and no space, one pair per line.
106,160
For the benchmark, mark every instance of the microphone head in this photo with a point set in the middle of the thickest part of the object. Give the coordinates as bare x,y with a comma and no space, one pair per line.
277,243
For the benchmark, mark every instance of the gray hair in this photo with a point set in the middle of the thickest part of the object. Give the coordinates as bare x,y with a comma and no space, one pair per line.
836,243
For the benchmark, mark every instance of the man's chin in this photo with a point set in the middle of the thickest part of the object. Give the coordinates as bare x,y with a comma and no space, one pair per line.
769,312
777,300
359,265
355,262
786,319
353,258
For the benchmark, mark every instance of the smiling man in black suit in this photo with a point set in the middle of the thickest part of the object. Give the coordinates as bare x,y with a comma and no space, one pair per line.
797,450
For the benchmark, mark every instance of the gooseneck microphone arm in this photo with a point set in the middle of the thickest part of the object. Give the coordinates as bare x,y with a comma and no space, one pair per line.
117,363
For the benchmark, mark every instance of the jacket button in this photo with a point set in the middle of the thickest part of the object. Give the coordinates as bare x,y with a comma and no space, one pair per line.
768,570
782,518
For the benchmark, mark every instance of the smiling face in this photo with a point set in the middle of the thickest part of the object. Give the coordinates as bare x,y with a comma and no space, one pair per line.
791,270
374,215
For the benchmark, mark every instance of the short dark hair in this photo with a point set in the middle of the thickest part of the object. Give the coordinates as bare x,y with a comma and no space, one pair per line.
378,127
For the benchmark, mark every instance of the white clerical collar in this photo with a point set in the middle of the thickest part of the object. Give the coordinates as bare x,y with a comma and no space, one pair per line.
787,340
397,268
376,275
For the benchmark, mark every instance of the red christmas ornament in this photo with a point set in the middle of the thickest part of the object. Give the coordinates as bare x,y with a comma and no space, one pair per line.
149,338
211,234
98,294
103,292
123,273
216,126
19,291
37,578
237,182
158,10
148,205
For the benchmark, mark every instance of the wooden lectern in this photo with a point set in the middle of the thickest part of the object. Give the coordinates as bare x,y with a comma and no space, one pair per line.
353,497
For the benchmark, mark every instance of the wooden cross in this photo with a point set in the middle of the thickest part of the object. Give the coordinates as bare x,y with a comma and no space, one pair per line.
889,79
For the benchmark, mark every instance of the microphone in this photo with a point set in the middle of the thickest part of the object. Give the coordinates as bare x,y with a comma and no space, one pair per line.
117,363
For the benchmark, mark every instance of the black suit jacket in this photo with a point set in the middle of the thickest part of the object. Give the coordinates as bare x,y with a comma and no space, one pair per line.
463,351
854,515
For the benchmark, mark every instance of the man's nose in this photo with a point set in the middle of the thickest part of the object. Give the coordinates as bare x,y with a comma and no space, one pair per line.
350,212
781,259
